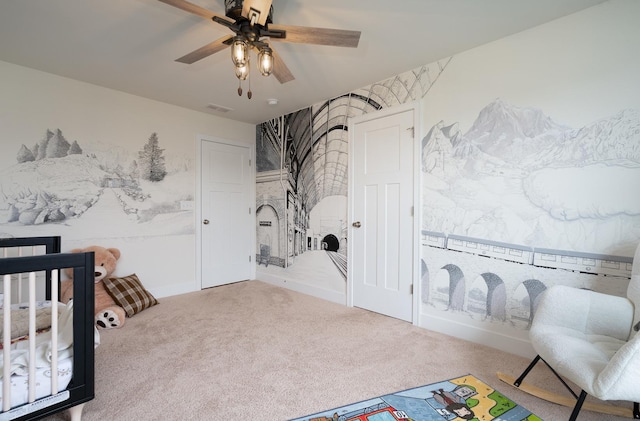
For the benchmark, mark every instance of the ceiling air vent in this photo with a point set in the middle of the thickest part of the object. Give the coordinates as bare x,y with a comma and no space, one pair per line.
219,108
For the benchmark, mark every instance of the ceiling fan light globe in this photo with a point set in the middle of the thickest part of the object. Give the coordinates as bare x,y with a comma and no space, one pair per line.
242,72
265,61
239,51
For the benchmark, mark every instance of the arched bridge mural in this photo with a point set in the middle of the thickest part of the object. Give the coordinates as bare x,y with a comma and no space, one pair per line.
490,289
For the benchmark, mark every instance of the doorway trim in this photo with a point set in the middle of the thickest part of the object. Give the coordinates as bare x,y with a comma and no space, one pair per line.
200,139
416,108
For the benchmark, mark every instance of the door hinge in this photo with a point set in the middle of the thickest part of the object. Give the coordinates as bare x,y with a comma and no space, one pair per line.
249,258
249,162
249,211
411,289
413,131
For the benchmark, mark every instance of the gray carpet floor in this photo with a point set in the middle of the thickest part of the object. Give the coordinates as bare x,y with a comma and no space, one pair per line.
253,351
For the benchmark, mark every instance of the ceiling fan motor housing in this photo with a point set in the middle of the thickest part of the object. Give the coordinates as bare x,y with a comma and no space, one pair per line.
233,10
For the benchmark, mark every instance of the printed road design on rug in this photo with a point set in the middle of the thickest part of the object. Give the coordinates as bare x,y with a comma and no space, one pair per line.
461,398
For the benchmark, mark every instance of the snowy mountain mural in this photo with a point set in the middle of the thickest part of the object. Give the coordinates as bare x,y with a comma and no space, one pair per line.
114,193
519,177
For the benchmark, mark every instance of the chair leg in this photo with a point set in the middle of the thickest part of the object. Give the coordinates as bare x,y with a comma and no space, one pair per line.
579,399
526,371
555,373
576,409
519,380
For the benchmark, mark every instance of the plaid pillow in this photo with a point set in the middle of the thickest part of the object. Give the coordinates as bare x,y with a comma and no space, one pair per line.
129,294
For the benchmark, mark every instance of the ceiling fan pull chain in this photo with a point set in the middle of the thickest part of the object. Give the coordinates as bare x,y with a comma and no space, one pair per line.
239,87
249,93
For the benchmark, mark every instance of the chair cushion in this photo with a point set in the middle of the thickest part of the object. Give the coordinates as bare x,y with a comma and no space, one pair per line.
584,336
578,357
585,312
633,291
619,380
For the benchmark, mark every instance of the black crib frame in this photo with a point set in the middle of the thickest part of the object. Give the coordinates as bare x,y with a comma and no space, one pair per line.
81,387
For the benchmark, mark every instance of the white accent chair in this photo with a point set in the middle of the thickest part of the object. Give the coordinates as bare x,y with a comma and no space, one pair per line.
592,340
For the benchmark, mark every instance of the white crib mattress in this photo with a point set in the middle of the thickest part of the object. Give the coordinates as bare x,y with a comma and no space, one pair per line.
20,384
19,360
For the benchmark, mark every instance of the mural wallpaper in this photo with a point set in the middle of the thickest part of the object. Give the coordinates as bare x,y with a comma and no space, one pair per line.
302,180
530,167
60,186
520,177
512,202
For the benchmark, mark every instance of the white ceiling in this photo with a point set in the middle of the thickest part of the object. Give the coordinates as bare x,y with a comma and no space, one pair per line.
131,45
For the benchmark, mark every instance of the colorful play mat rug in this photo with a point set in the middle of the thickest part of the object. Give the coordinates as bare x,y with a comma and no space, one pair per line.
462,398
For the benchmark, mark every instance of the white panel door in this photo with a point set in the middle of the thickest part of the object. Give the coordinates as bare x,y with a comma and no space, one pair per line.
226,218
382,215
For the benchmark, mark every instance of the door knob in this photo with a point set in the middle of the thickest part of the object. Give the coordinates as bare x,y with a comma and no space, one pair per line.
206,222
357,224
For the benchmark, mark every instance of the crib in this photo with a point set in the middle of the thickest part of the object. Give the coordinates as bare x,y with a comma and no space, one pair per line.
30,274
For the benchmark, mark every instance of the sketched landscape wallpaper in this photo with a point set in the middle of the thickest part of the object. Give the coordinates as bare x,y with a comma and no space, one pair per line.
72,187
517,176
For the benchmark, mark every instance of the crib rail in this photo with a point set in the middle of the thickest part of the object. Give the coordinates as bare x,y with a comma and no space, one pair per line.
81,387
32,246
52,244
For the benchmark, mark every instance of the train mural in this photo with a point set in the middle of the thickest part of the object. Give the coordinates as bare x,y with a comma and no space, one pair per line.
488,281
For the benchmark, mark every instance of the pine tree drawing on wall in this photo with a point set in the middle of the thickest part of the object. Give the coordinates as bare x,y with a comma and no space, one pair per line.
25,155
40,150
57,145
134,171
151,161
52,145
75,149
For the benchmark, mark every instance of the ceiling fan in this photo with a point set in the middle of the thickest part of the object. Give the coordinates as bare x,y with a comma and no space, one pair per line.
252,24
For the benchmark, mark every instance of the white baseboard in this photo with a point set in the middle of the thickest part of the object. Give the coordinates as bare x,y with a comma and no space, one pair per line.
174,289
513,345
333,296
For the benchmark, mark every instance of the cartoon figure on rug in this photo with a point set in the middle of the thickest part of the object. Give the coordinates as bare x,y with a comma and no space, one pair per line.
108,314
461,410
452,404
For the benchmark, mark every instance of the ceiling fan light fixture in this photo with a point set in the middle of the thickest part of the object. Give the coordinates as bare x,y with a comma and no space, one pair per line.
252,23
240,51
265,61
242,72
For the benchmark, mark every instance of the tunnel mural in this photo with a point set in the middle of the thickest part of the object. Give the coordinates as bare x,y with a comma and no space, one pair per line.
302,171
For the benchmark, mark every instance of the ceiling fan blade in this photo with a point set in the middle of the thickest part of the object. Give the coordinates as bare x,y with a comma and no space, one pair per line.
256,9
205,51
318,36
195,9
280,70
225,22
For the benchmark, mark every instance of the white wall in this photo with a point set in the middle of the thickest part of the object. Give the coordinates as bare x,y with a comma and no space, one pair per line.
113,127
533,142
577,69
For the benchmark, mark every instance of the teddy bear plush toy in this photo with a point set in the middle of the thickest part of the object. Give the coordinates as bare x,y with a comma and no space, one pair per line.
108,314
